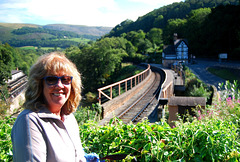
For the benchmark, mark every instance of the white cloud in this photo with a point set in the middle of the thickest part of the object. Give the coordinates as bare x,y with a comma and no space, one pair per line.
85,12
156,2
81,12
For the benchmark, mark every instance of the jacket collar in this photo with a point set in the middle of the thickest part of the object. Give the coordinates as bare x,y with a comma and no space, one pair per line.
45,113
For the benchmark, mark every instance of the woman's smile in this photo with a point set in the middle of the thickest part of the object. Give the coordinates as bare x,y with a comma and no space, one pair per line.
56,95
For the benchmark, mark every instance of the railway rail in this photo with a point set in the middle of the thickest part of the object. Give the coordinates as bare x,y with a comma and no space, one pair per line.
139,109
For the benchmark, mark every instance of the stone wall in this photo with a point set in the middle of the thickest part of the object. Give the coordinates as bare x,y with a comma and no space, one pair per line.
17,102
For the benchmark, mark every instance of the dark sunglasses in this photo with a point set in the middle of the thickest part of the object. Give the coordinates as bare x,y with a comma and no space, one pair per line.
53,80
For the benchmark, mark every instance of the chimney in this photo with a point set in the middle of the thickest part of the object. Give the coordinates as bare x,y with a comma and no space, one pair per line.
175,37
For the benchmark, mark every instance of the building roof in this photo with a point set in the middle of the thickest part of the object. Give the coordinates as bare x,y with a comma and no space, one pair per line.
169,49
178,41
187,101
15,71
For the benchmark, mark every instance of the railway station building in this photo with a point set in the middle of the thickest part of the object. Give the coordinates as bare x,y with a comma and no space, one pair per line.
173,54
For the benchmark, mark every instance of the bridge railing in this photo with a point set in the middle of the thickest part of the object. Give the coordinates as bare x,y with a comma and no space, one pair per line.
167,87
167,91
111,91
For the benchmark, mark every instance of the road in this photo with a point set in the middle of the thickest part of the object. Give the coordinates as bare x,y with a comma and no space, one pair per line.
200,69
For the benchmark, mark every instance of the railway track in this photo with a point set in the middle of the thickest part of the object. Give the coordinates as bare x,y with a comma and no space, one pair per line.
139,109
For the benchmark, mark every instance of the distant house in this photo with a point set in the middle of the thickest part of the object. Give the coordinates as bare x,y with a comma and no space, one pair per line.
178,52
17,83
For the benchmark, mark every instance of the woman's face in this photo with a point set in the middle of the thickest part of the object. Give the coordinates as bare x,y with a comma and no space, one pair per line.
56,95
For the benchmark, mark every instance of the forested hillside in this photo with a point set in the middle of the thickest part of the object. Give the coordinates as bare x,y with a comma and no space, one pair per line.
158,18
211,27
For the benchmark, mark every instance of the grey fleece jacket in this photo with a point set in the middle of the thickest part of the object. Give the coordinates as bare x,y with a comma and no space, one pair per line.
42,136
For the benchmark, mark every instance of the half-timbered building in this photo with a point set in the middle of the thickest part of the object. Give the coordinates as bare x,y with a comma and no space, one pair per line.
178,52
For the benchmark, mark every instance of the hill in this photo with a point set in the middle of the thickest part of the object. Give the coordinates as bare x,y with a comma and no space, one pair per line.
7,28
54,35
158,18
80,29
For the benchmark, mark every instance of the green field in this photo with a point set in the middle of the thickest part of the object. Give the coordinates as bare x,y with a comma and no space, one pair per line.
28,48
43,48
79,40
225,73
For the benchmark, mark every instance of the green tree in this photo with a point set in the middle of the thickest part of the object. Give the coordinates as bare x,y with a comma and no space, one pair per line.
143,45
194,29
137,39
219,33
155,36
98,61
159,21
6,64
173,26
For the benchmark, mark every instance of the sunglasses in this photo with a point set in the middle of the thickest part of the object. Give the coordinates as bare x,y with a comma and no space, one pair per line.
53,80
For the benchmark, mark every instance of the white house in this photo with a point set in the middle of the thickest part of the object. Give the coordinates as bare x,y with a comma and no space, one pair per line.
178,52
17,83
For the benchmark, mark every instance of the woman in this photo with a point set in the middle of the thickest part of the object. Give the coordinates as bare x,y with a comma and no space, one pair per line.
47,130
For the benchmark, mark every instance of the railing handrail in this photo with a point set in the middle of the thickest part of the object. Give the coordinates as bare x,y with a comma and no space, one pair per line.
119,83
124,80
164,89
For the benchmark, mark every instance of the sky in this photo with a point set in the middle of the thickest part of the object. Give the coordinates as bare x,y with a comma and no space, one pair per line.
108,13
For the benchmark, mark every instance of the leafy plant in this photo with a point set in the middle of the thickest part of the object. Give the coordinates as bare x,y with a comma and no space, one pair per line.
5,139
229,90
200,91
93,113
204,140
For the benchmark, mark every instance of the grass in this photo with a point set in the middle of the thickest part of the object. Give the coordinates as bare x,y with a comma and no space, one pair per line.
79,40
225,73
43,48
50,48
28,48
18,25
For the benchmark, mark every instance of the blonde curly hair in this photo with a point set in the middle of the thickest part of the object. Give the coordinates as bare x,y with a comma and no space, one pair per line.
52,63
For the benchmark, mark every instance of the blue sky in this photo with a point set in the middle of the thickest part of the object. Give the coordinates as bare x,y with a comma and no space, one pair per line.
76,12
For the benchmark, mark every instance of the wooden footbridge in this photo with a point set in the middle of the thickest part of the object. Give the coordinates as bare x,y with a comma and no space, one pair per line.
140,96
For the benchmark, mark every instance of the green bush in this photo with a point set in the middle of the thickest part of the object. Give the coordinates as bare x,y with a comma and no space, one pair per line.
194,86
93,113
200,91
5,139
204,140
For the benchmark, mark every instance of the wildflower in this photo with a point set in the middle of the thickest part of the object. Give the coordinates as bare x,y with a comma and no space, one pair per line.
199,112
229,99
200,116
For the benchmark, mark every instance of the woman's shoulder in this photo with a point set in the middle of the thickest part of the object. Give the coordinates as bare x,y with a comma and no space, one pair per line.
27,112
25,115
